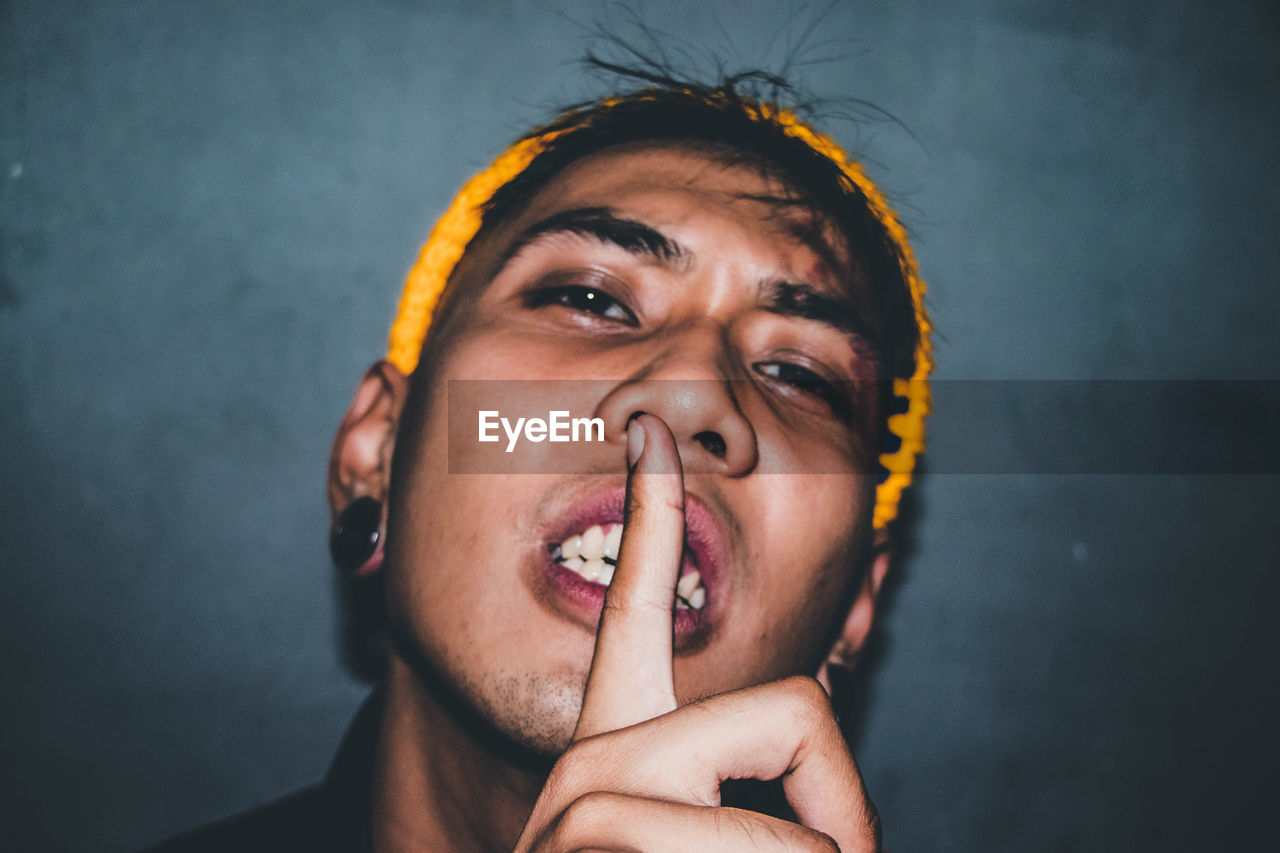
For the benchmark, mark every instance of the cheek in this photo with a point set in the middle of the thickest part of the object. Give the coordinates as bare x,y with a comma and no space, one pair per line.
441,531
798,576
808,567
433,547
812,533
454,562
809,517
490,351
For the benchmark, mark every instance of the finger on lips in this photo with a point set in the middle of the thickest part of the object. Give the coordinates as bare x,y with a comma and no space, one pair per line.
642,774
630,678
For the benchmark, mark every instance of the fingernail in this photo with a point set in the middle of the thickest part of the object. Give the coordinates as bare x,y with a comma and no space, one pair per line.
635,442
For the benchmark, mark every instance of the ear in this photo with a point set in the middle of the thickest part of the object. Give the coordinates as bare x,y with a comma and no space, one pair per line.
360,464
861,616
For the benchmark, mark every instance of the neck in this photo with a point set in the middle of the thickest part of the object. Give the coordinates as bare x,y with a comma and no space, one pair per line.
440,782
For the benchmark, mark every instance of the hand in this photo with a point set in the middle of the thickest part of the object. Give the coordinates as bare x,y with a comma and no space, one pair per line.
642,774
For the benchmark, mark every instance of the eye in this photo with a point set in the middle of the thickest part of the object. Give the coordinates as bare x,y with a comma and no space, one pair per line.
807,381
587,300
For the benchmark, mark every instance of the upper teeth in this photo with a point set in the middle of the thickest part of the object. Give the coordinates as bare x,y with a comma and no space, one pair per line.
593,553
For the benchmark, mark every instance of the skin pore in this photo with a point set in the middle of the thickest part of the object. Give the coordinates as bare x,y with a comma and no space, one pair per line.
683,288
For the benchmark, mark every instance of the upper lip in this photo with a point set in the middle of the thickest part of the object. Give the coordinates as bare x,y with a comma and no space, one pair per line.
704,531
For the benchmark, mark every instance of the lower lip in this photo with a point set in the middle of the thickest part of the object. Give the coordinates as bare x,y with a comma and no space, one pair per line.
588,598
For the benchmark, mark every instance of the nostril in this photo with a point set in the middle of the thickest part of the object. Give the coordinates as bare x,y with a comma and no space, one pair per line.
712,442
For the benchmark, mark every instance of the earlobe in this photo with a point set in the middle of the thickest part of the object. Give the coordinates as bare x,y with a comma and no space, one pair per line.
861,616
360,463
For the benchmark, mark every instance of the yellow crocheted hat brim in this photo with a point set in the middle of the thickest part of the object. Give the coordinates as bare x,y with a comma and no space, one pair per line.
460,223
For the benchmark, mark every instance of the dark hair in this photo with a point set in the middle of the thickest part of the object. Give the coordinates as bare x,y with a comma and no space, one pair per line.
726,122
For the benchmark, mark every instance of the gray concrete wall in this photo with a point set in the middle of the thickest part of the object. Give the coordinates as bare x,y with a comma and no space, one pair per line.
206,210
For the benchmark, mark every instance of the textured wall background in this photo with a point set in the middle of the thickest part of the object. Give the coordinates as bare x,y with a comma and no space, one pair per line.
206,210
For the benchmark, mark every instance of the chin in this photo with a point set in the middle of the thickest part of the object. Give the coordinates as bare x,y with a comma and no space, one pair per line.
507,708
536,712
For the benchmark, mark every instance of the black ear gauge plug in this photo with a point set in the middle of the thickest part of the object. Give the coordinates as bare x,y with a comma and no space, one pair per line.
354,537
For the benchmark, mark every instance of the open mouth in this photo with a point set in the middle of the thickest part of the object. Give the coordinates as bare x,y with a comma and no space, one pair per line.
581,554
593,555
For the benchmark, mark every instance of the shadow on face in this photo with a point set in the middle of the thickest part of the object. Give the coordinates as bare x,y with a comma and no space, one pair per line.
650,279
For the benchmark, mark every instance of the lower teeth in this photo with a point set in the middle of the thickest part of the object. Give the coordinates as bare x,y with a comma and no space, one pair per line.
690,594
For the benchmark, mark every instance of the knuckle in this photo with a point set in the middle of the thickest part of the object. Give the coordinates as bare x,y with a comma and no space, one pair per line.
807,699
572,770
674,504
820,842
585,817
650,497
584,752
581,757
632,601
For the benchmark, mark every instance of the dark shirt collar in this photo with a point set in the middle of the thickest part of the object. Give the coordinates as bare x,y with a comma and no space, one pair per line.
348,788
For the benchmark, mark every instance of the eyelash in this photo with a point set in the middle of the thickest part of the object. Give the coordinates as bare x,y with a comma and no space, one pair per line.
587,300
598,303
808,382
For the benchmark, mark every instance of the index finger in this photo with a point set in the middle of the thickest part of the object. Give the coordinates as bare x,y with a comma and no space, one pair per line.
630,679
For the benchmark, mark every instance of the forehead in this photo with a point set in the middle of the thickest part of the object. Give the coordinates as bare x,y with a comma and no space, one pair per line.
678,186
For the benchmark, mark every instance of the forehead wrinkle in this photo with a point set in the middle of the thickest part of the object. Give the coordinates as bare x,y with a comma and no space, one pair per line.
812,228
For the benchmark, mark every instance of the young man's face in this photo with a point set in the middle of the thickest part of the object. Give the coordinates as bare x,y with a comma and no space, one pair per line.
689,290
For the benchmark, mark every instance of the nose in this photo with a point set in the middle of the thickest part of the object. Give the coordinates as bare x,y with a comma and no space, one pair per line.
687,383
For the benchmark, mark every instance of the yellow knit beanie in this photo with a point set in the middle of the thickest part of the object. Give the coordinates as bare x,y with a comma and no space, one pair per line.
460,223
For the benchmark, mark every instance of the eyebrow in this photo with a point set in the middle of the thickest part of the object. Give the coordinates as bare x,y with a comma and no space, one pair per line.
783,298
790,299
603,225
805,302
